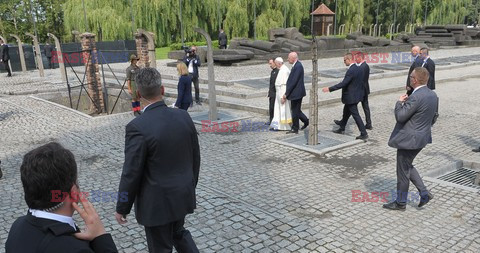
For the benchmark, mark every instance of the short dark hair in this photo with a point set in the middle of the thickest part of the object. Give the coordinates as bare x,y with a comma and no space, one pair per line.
149,82
424,50
45,169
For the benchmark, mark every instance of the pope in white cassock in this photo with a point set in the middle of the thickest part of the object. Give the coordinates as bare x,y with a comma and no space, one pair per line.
282,115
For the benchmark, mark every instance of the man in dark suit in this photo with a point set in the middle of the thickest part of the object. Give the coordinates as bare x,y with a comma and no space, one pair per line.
415,116
353,91
5,57
428,63
222,40
160,173
192,61
271,90
49,179
47,50
365,69
417,62
295,93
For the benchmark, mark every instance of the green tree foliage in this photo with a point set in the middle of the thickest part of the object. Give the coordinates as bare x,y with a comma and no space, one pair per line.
111,19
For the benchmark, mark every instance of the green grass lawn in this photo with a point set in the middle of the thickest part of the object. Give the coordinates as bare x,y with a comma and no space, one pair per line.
162,52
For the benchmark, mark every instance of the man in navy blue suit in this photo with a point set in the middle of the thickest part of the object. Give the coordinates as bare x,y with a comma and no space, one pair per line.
353,92
295,93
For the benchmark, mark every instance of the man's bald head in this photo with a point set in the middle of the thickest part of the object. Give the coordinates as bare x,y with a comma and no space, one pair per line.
292,57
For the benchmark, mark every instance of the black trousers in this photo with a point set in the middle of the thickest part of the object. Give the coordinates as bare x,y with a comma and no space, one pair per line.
197,88
406,172
7,67
271,107
162,239
297,114
366,110
223,47
184,106
50,63
352,110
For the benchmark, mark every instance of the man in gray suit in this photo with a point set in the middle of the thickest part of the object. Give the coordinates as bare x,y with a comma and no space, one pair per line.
415,117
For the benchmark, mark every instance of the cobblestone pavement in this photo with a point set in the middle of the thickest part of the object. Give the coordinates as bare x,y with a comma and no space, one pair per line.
258,196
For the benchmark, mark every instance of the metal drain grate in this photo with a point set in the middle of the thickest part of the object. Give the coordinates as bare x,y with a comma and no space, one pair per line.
462,176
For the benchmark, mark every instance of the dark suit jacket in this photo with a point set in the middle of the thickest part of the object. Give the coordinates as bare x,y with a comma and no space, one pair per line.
5,53
430,66
295,83
222,39
184,89
414,120
162,162
196,64
353,90
47,49
366,75
29,234
417,62
273,76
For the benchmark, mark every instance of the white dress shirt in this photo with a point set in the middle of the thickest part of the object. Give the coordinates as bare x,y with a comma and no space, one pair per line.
52,216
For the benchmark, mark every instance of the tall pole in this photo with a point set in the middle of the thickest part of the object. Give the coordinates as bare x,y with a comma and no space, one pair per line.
394,18
181,24
335,18
33,19
311,22
218,14
376,16
426,11
411,19
285,14
133,18
85,16
254,19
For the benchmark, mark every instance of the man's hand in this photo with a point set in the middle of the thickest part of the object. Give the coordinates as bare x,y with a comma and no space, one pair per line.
120,219
325,89
282,101
93,225
403,98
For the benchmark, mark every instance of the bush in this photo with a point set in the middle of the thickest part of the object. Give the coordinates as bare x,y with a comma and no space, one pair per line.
394,35
178,46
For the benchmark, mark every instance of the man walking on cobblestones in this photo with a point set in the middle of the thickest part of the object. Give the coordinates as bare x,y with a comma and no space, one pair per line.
413,131
160,173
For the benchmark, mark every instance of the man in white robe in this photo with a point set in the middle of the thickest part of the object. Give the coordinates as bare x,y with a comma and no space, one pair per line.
282,116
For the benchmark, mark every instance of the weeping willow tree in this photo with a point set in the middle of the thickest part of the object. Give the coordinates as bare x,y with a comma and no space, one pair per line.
442,13
109,19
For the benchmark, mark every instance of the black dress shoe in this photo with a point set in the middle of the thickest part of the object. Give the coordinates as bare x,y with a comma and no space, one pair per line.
292,132
362,137
425,200
369,127
476,149
395,206
338,122
339,131
305,125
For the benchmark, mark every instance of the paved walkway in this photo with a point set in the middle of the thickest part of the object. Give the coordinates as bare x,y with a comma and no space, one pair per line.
257,196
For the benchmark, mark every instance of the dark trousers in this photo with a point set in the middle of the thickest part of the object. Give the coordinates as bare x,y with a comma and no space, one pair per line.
50,63
352,110
406,173
162,239
296,107
271,107
223,46
184,106
197,88
366,110
7,67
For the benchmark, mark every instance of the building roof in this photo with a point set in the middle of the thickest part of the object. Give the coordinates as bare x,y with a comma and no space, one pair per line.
322,10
